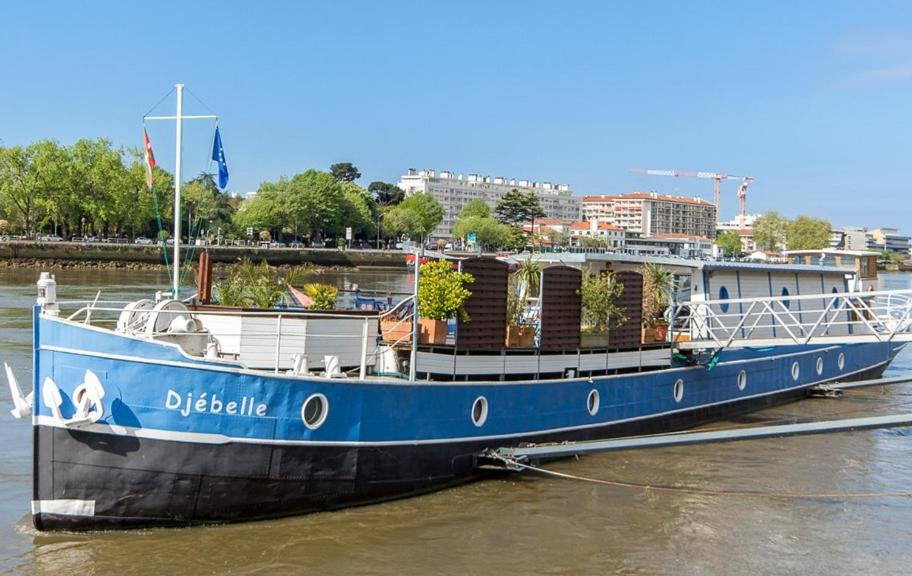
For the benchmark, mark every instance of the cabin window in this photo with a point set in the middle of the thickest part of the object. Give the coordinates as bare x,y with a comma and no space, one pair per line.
865,267
742,380
314,411
592,403
840,361
796,371
480,411
835,300
819,366
679,390
785,292
723,295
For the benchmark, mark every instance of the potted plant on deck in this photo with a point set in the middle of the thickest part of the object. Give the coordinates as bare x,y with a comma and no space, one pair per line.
600,312
441,295
657,285
524,285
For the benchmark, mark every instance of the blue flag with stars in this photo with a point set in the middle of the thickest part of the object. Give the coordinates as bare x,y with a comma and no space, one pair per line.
218,155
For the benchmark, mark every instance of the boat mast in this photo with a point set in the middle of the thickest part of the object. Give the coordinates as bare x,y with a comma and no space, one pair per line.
178,137
178,140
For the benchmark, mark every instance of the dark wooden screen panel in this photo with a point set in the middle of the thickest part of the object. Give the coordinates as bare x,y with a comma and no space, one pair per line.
629,335
487,307
560,308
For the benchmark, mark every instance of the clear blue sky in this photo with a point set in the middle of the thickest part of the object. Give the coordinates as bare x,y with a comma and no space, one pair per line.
814,99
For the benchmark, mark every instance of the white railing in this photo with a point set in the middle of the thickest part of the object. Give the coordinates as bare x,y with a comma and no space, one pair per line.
845,317
263,339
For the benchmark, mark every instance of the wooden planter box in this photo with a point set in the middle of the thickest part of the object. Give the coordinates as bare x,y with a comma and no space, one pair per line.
394,330
432,331
520,337
657,333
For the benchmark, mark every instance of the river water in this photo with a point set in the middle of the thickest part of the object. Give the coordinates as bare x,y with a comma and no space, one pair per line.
522,524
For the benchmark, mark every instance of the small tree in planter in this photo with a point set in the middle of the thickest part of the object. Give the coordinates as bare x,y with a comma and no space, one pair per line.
600,312
441,295
525,283
323,296
657,286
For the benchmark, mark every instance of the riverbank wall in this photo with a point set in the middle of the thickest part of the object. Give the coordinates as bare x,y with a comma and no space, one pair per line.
133,256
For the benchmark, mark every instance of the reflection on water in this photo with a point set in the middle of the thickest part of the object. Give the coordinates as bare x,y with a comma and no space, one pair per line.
523,524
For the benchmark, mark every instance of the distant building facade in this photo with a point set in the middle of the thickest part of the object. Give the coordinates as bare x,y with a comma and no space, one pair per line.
606,235
878,239
454,191
653,214
889,239
745,232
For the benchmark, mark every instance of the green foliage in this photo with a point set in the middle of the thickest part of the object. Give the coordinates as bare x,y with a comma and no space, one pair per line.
516,207
89,187
599,295
312,203
516,238
476,207
441,291
657,286
524,283
344,172
489,233
255,285
730,243
528,275
806,233
323,296
416,216
386,194
771,231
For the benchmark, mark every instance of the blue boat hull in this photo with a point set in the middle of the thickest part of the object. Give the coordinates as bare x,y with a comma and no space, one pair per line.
169,451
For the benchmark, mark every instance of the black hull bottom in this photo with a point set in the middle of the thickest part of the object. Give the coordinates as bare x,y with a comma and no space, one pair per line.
204,483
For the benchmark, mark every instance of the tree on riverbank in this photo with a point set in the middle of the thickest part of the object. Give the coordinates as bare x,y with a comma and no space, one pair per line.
312,203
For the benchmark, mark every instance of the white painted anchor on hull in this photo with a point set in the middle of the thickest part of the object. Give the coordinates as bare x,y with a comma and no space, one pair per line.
87,397
22,404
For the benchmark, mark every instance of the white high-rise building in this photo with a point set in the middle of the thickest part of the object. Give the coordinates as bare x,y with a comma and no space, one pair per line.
454,191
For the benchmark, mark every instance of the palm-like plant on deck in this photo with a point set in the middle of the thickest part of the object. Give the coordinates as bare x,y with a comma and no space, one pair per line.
657,286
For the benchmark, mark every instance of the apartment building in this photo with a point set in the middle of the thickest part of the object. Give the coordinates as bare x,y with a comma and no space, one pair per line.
454,191
652,214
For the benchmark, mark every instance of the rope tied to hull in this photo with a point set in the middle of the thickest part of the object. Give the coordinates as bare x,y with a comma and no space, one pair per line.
513,464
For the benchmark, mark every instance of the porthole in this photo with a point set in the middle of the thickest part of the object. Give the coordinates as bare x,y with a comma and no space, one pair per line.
480,411
314,411
742,380
819,366
678,390
840,361
723,295
592,402
796,371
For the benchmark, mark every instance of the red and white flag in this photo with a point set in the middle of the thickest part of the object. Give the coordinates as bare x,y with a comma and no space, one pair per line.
150,159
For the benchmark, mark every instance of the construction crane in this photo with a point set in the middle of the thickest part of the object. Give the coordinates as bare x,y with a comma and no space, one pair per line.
717,179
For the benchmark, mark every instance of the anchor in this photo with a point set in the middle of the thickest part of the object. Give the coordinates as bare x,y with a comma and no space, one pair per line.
22,404
87,398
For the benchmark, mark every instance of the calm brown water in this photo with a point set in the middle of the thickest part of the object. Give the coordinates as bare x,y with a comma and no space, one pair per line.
521,524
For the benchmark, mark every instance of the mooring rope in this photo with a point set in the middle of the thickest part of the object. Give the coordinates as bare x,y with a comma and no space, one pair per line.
703,491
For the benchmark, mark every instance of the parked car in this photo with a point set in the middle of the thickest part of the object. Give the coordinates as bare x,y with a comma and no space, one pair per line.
51,238
276,244
317,244
296,244
360,244
143,240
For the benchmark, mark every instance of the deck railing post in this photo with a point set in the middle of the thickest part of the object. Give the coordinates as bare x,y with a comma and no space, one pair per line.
363,372
278,341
